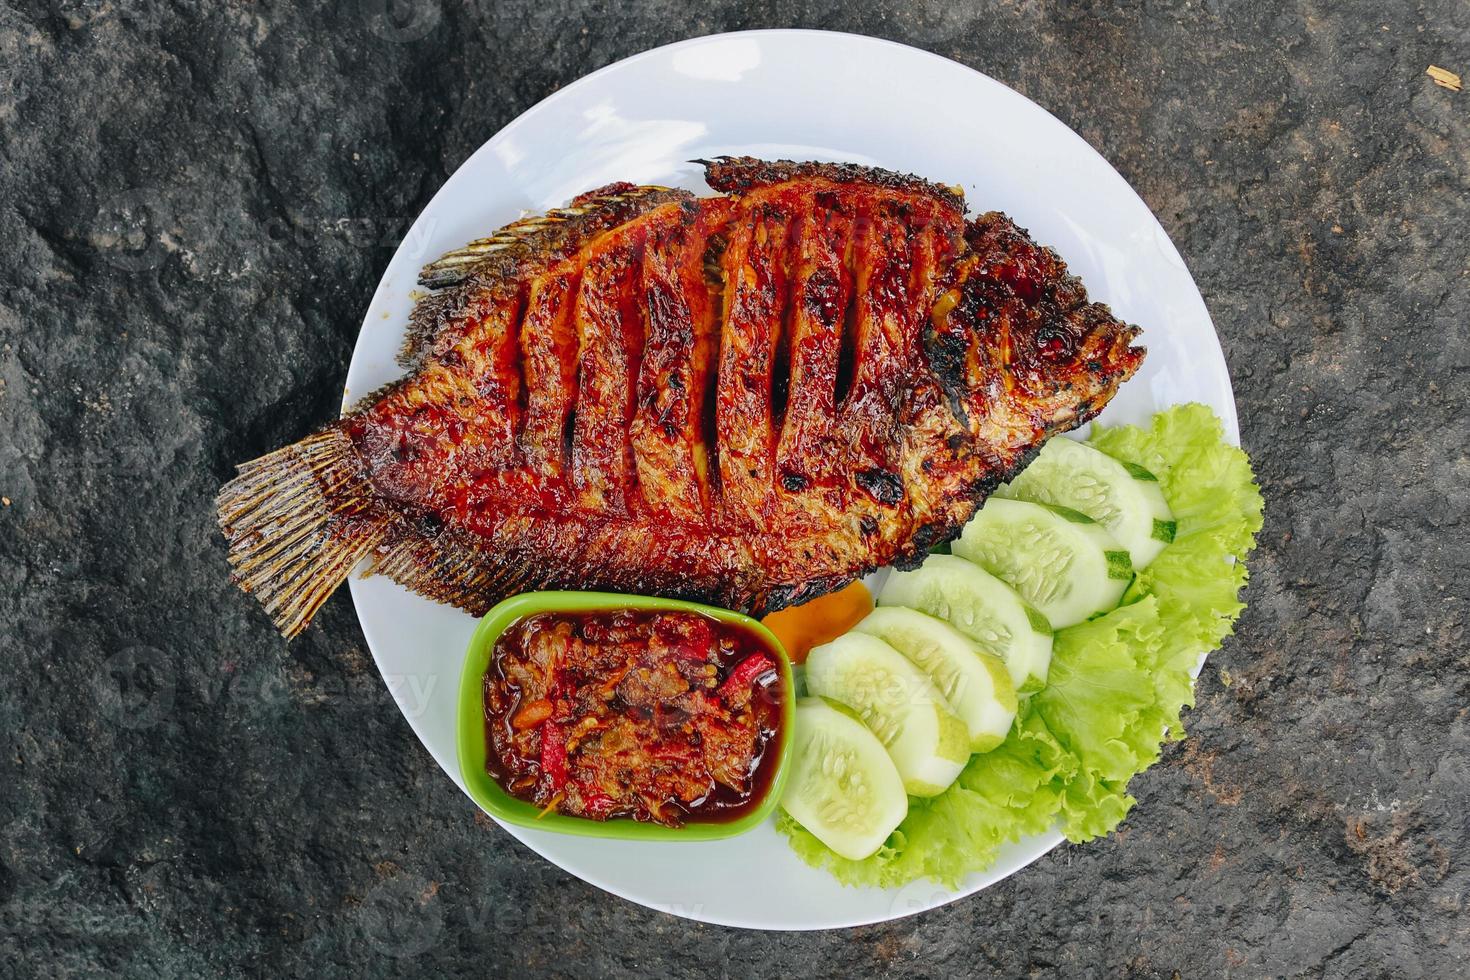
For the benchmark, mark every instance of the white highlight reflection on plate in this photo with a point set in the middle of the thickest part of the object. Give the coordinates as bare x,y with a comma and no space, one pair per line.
722,58
805,95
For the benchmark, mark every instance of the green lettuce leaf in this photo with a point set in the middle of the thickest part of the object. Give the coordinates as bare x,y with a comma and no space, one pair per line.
1197,579
1117,686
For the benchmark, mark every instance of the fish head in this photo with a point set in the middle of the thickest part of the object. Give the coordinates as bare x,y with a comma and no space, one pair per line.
1014,341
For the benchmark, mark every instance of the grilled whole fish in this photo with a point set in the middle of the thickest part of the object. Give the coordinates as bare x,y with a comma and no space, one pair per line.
748,399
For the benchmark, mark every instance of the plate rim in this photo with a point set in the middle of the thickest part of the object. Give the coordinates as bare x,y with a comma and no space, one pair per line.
1043,843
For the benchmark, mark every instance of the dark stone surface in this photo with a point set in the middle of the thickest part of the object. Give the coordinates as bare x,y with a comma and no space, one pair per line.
196,204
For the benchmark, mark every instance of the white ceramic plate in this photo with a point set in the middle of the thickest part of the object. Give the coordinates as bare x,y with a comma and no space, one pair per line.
801,95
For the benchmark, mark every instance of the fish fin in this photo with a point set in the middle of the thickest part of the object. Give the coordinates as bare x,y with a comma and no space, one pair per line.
737,175
297,521
454,267
301,518
501,258
447,570
535,232
450,568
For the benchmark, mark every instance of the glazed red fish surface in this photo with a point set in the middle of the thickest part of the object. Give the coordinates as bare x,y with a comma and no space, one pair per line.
748,399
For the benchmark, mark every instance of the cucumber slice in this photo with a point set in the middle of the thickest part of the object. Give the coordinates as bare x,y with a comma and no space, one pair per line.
899,703
1124,498
983,608
843,787
1062,562
975,684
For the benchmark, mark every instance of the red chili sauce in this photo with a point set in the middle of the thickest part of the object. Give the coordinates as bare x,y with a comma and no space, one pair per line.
659,716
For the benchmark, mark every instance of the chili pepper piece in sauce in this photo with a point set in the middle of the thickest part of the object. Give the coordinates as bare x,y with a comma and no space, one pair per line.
554,754
745,674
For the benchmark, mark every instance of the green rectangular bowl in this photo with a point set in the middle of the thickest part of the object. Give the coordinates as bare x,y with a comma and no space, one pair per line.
472,742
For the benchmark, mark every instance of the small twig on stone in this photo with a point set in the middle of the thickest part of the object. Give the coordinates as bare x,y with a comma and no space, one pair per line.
1444,77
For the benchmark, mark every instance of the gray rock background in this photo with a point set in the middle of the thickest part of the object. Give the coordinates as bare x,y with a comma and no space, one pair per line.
196,203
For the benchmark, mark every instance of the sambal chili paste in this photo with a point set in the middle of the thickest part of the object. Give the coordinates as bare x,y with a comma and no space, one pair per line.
655,715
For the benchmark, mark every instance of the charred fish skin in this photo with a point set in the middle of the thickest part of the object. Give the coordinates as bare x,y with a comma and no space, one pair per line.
748,399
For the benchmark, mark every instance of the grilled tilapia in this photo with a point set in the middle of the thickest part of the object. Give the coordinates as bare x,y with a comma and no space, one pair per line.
748,399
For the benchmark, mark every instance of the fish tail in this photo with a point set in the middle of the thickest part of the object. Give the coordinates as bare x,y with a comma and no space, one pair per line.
297,521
